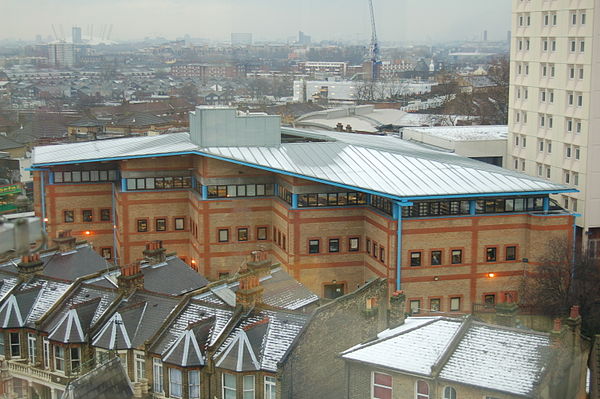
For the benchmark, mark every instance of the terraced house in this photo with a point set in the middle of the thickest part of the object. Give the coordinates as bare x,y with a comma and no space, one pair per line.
335,209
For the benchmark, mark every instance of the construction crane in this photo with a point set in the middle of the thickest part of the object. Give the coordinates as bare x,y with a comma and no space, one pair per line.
374,48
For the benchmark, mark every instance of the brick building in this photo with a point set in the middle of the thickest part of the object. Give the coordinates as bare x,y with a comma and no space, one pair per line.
335,211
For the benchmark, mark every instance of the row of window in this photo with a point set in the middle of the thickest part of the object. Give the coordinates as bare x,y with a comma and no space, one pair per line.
331,199
376,251
160,224
87,215
241,190
279,238
159,183
436,257
314,245
551,18
382,388
492,205
436,208
455,302
243,234
85,176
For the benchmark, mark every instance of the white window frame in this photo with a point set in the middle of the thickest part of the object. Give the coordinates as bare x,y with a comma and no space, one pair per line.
58,359
386,387
18,344
31,348
446,396
46,352
248,392
226,391
270,387
158,376
193,386
139,365
78,368
419,395
175,382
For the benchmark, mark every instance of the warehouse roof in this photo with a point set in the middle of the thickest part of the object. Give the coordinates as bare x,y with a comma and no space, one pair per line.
379,164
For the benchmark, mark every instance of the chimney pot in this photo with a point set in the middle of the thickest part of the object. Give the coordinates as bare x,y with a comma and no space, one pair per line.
557,325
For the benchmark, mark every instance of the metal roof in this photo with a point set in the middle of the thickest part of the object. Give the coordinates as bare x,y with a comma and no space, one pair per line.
379,164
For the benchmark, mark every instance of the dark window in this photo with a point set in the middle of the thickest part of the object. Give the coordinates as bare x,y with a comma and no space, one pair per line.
334,245
106,253
415,258
435,304
105,214
69,216
142,225
242,234
261,233
489,299
313,246
436,258
179,223
511,253
161,224
159,183
354,244
374,253
490,254
223,235
456,256
368,248
15,344
86,215
333,291
223,275
382,254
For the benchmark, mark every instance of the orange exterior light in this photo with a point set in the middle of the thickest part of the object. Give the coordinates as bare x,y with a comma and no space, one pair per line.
193,262
491,275
45,220
87,232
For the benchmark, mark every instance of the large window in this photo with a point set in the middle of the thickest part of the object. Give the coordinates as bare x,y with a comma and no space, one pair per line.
157,375
75,359
85,176
438,208
248,387
2,347
241,190
140,366
331,199
382,204
381,385
175,385
422,390
31,348
270,387
194,384
15,344
229,386
449,393
159,183
59,358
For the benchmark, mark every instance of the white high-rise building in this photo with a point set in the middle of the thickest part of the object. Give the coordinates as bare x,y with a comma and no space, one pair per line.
61,54
554,107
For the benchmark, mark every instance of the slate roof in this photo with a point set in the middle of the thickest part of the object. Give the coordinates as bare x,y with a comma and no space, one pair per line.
173,277
107,381
140,120
190,347
8,144
469,352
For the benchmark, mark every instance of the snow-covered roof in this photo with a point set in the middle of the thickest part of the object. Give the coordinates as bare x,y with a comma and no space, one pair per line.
462,351
464,133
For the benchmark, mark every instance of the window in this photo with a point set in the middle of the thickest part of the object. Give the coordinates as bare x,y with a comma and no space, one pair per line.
573,18
270,387
223,235
580,100
381,254
354,244
229,386
456,256
86,215
580,73
161,224
59,358
577,152
582,46
415,258
313,246
548,172
573,46
449,393
75,359
157,374
489,300
422,390
490,254
334,290
69,216
140,366
194,384
46,353
575,179
179,223
381,386
455,304
583,19
248,387
15,344
142,225
159,183
334,245
436,258
242,234
511,253
105,215
415,306
175,384
31,348
435,304
261,233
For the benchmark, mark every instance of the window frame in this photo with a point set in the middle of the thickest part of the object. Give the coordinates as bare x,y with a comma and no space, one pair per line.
262,233
158,222
440,257
489,250
103,213
460,254
193,386
75,363
240,234
449,392
415,261
418,393
176,223
173,383
336,245
352,248
139,225
58,359
139,361
18,352
248,390
31,348
270,387
314,246
514,255
225,388
224,231
385,388
87,215
450,303
71,218
157,375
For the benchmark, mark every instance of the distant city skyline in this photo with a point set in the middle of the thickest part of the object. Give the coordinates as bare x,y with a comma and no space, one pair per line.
340,20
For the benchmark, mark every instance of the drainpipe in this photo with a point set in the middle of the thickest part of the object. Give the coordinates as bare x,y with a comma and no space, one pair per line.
114,222
43,199
397,215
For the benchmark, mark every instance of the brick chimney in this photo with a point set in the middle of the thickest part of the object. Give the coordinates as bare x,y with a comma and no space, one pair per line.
154,252
556,333
130,279
506,314
348,128
396,313
259,263
249,292
30,266
65,241
574,324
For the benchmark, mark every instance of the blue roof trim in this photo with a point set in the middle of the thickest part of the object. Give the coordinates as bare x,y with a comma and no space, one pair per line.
310,178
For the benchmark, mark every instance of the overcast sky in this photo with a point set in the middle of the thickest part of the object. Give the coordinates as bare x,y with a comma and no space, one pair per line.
397,20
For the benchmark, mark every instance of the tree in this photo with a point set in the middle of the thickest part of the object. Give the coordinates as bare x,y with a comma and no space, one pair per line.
565,278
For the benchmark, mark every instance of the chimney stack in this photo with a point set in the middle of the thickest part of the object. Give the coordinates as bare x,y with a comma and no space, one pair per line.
30,266
65,241
396,312
249,292
574,324
259,263
506,314
155,253
130,279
